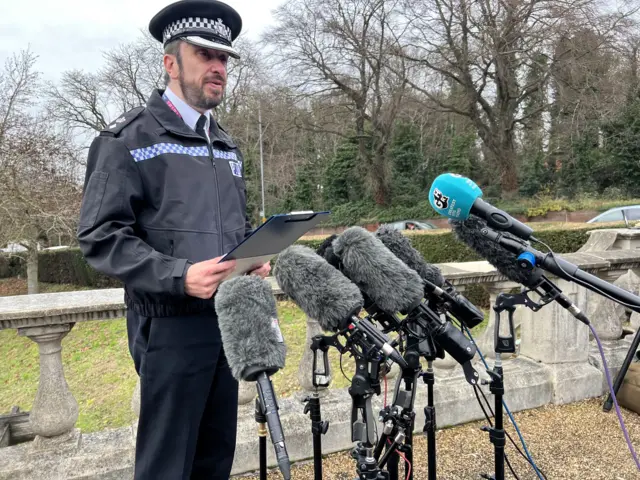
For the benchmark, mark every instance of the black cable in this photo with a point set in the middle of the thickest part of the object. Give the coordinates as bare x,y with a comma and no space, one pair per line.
343,374
505,431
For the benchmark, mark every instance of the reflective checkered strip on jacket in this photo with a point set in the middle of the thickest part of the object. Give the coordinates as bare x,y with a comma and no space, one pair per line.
146,153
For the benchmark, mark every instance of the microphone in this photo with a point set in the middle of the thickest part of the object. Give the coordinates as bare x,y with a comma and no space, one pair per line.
456,303
389,322
254,346
475,233
325,294
455,197
394,287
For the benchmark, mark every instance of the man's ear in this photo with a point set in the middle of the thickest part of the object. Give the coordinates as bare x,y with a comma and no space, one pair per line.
171,66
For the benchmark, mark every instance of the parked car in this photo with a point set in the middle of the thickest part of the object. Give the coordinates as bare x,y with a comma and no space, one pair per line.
411,225
630,214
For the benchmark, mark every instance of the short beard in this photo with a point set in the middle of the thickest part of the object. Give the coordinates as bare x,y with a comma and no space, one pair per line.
195,96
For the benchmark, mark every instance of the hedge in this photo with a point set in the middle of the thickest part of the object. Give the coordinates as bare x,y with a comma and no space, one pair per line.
68,266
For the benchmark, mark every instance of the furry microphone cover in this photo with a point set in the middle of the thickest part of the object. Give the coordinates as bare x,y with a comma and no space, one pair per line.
392,285
401,247
248,321
320,290
469,231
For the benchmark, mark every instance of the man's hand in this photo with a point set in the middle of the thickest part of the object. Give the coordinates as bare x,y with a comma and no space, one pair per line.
262,271
203,278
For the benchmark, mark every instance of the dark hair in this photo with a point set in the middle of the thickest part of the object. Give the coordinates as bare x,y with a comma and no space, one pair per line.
172,48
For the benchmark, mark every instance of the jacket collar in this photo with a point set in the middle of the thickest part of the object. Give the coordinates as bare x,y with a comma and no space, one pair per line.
176,125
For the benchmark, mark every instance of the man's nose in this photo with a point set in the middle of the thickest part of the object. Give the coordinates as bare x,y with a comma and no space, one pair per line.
219,67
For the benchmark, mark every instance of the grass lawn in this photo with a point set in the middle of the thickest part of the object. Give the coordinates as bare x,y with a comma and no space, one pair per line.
100,372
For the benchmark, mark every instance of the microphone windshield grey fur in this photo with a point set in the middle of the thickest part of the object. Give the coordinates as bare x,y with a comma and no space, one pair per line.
248,321
401,247
320,290
392,285
469,231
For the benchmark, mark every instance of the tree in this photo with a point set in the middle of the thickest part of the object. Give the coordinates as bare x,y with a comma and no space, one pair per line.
486,48
341,49
40,189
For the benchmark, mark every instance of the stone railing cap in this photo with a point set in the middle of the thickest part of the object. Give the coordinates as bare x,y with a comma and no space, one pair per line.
21,307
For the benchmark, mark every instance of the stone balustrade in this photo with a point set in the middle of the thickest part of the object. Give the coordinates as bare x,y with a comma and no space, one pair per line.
556,362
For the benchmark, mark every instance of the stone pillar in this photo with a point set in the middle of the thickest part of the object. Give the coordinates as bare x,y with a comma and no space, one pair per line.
554,337
608,316
55,410
305,370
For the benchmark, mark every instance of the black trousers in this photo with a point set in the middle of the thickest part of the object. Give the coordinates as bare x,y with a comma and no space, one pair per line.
189,400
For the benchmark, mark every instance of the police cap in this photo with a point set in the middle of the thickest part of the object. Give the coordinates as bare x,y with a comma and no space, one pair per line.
206,23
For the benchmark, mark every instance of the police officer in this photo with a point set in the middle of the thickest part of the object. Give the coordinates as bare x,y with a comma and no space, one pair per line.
164,199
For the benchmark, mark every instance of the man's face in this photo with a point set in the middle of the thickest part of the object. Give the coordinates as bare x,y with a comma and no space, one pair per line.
202,75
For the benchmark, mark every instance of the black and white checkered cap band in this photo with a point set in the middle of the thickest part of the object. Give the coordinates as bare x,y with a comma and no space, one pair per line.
198,25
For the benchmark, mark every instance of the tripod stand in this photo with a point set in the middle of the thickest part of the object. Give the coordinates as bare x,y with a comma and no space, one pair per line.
399,417
502,344
363,385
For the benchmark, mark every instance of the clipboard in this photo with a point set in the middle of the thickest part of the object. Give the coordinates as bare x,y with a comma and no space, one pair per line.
277,233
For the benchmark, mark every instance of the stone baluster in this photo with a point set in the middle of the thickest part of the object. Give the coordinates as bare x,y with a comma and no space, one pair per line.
305,369
55,410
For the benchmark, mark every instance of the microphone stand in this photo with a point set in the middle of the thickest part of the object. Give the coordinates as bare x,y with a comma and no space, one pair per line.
261,419
570,272
363,385
496,384
312,403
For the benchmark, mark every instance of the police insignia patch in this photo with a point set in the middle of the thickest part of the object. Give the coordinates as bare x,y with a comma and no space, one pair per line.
236,168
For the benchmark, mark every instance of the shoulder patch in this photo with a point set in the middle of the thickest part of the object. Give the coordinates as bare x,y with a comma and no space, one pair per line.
115,127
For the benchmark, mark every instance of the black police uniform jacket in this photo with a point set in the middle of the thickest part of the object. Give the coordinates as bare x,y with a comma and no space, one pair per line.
156,199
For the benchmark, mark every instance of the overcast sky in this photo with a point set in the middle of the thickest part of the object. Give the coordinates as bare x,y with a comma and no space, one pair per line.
69,34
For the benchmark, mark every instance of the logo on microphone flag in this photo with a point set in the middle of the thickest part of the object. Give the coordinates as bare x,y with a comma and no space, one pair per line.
440,200
276,327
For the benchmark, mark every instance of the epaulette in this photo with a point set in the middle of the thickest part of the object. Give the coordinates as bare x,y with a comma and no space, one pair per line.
115,127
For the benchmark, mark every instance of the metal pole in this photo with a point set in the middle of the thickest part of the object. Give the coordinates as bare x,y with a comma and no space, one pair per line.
262,213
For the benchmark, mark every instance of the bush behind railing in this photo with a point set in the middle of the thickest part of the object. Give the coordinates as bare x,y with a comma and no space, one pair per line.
69,267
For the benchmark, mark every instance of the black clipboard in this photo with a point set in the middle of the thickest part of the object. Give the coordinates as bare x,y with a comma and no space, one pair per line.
274,235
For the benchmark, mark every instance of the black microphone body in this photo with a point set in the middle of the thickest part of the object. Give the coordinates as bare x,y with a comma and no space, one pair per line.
254,346
567,271
500,220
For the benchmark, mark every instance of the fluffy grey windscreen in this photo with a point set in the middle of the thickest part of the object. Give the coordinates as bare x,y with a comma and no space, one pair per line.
391,284
320,290
401,247
248,320
469,231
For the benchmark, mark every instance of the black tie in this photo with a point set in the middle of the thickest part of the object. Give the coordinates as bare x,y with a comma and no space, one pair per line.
200,127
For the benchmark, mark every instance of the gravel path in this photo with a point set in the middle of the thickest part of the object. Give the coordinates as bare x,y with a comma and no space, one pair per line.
576,442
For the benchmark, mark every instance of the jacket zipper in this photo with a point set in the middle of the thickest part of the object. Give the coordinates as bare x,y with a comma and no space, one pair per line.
215,176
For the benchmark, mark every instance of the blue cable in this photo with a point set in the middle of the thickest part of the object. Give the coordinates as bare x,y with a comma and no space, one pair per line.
513,421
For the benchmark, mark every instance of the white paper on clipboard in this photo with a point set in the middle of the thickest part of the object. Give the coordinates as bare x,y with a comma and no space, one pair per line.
277,233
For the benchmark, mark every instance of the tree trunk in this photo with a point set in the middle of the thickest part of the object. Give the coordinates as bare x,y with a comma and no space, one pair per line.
502,154
379,176
32,270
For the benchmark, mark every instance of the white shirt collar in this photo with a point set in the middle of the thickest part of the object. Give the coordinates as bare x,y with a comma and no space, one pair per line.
189,114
